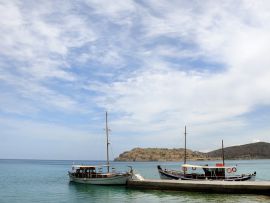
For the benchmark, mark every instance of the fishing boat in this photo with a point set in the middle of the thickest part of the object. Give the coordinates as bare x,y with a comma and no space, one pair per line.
100,174
199,172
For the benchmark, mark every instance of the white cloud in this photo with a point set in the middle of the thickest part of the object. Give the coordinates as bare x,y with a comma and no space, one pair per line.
237,40
119,12
256,140
157,65
29,35
35,48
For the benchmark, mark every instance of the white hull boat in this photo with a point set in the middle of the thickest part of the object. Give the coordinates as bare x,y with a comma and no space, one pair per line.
102,179
101,174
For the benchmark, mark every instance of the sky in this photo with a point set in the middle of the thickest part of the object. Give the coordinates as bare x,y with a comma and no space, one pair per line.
154,66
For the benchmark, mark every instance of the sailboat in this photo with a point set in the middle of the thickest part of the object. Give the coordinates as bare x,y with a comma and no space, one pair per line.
100,174
217,172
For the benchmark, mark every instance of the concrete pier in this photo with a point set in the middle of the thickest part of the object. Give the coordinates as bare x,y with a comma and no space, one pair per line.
238,187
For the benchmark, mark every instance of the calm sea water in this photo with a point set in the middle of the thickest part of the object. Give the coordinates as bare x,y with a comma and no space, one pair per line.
47,181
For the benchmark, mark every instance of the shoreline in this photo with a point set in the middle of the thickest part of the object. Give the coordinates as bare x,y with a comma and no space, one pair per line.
214,159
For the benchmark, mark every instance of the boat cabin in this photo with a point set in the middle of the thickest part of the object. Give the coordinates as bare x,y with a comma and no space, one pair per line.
81,171
208,172
217,173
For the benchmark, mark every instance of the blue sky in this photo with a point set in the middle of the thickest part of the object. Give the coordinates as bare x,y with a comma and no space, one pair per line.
155,66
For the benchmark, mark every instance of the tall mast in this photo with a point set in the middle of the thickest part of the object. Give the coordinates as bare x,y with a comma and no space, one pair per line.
107,137
223,154
185,158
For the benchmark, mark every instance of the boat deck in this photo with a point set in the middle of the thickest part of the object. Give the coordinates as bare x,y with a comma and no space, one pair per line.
239,187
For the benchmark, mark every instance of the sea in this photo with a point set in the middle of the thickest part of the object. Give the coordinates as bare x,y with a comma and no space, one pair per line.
47,181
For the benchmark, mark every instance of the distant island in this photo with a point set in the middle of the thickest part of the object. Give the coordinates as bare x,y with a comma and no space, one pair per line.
259,150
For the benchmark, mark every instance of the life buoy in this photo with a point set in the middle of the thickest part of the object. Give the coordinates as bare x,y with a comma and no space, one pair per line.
229,170
193,168
234,169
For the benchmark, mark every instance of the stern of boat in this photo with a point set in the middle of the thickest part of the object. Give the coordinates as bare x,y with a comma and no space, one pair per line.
253,176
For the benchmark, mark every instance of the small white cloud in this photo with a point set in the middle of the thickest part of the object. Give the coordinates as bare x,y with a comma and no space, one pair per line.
256,140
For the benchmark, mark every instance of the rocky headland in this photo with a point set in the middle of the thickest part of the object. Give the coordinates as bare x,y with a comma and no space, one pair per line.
259,150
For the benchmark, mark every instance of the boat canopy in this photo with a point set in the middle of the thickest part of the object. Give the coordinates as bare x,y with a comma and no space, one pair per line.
200,166
85,166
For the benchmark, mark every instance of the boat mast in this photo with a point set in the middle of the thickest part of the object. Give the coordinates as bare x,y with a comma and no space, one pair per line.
107,138
185,158
223,154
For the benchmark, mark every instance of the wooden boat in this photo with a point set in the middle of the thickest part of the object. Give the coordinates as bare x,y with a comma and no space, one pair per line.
98,175
198,172
101,174
218,172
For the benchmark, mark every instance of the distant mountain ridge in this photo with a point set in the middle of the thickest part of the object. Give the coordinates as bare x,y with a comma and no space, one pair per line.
259,150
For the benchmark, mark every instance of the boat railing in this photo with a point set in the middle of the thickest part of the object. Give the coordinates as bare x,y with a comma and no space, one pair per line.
173,171
91,175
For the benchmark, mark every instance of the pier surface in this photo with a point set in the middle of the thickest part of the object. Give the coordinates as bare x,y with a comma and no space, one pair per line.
247,187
